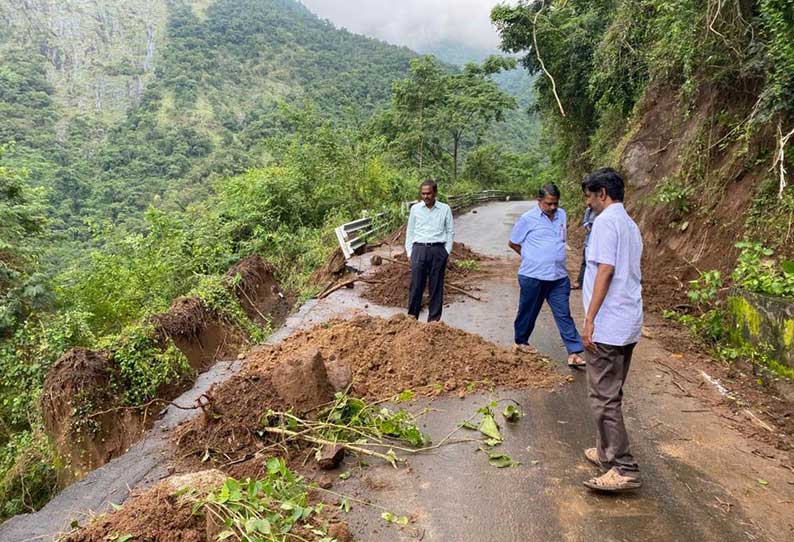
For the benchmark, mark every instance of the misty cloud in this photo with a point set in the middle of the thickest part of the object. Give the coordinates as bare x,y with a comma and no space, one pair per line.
414,23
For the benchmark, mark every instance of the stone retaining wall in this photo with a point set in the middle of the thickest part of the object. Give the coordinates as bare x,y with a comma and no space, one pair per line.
763,321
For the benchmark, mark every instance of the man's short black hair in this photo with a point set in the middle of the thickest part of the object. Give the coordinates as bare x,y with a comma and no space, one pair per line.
605,178
431,183
548,189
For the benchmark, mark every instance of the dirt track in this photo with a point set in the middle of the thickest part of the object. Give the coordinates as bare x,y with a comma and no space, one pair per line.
702,476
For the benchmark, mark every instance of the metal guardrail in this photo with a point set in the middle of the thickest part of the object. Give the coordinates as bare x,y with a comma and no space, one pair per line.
353,235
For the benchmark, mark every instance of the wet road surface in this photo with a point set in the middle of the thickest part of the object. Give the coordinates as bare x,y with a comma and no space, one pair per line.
455,495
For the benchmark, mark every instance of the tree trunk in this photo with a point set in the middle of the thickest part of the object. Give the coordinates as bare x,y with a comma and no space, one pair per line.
455,143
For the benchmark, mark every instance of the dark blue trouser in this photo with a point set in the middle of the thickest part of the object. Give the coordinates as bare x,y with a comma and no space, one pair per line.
557,293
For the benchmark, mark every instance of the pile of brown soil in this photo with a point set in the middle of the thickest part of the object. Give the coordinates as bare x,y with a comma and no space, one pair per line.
389,356
385,357
334,268
390,283
198,333
154,515
164,514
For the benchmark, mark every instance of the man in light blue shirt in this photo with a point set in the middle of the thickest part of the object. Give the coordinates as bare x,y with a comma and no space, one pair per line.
539,238
612,295
428,244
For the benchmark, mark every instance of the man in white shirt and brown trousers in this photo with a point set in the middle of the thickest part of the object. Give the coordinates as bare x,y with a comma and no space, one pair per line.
428,244
612,296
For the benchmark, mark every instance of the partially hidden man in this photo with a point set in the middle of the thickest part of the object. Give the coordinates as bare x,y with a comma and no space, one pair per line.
428,244
612,295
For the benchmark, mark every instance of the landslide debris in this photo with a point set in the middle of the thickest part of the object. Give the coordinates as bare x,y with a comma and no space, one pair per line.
389,284
189,508
384,357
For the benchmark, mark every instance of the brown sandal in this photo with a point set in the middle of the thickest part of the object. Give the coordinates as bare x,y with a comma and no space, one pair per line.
575,360
613,482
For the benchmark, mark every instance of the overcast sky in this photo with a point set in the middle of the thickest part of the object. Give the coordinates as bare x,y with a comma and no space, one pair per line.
415,23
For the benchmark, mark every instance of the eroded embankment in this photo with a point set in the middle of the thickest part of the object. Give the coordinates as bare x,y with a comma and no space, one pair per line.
85,410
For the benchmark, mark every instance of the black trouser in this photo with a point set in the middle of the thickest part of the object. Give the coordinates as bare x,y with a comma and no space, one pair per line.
428,264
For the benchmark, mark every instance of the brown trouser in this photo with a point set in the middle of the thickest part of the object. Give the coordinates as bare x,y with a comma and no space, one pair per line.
607,369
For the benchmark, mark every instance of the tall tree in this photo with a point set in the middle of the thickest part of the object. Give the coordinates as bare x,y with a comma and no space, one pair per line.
435,112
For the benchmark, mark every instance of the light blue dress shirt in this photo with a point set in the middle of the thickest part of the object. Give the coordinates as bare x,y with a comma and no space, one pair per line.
616,240
542,241
429,225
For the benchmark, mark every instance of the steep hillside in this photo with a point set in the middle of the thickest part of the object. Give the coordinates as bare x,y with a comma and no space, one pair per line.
148,99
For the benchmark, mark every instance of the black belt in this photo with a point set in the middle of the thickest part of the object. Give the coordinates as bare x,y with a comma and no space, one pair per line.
439,244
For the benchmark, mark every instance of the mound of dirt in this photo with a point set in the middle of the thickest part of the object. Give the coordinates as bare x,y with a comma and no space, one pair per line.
258,292
332,270
389,356
158,514
385,358
165,514
390,283
79,383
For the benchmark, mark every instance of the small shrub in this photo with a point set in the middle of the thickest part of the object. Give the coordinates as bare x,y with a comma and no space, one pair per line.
757,271
675,195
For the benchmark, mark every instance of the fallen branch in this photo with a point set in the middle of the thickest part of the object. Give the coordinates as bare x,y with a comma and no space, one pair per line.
459,289
337,287
663,364
391,459
145,406
540,60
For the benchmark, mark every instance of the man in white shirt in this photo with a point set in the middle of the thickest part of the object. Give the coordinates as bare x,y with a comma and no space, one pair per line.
428,244
612,294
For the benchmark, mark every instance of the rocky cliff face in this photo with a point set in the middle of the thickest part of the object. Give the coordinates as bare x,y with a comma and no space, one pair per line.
100,54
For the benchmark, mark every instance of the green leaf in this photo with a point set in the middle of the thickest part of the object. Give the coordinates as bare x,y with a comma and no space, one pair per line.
467,425
345,475
224,535
788,266
501,461
762,482
404,396
489,428
511,413
491,442
122,537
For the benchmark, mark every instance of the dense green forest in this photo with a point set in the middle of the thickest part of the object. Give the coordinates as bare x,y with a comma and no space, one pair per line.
155,144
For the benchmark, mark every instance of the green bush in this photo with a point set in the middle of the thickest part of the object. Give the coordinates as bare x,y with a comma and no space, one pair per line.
757,271
27,474
144,365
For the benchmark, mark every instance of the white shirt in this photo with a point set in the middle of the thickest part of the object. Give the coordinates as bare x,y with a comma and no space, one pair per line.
615,240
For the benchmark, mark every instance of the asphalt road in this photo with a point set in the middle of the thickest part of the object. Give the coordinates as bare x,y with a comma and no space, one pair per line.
455,495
